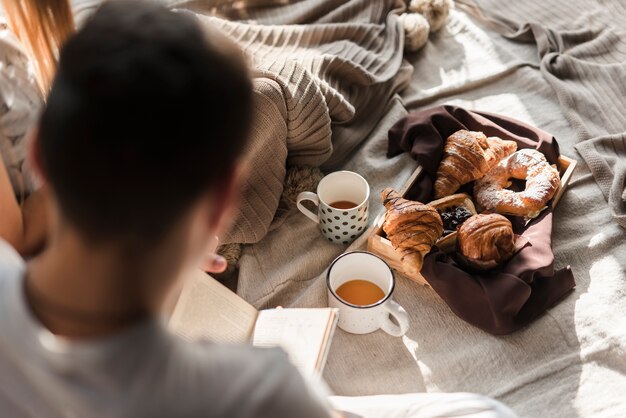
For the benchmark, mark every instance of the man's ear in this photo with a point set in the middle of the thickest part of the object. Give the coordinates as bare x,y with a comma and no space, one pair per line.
225,195
34,156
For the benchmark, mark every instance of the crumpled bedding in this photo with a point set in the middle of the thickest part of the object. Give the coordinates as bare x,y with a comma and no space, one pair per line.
582,50
570,361
319,90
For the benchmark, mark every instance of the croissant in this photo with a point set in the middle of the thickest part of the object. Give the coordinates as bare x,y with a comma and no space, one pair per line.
412,227
486,240
468,156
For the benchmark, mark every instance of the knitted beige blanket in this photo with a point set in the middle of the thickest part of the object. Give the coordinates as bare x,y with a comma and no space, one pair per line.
320,88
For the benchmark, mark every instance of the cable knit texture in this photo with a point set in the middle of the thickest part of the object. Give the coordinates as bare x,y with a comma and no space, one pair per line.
320,88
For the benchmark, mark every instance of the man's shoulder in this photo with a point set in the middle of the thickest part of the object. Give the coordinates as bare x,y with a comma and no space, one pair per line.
237,380
227,359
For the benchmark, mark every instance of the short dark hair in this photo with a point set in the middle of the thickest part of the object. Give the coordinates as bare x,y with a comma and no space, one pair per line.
146,112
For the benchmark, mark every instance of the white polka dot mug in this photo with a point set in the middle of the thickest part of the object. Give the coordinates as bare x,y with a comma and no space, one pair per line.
342,206
363,319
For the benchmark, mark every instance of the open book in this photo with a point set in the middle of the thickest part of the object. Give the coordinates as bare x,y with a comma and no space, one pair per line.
206,309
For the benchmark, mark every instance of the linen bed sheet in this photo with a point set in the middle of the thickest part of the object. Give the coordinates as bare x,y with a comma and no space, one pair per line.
568,363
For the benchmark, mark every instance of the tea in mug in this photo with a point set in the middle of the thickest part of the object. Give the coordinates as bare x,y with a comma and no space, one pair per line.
343,204
360,292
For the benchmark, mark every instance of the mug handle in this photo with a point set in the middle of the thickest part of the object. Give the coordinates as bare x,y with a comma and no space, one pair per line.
400,315
313,198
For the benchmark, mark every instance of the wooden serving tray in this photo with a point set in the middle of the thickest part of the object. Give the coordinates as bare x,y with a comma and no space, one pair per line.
378,243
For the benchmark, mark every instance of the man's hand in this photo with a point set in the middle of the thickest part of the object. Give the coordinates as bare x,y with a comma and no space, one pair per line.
214,263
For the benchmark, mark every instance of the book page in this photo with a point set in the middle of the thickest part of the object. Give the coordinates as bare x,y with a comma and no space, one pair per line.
303,333
206,309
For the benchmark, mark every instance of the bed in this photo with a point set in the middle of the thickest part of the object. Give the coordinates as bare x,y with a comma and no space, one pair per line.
558,65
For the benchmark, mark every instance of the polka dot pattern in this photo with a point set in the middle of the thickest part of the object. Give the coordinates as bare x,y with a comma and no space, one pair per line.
342,226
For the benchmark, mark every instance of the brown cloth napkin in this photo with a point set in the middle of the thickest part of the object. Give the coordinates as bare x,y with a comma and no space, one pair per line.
503,300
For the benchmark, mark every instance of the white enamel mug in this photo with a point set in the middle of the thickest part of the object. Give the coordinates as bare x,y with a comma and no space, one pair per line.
339,226
357,319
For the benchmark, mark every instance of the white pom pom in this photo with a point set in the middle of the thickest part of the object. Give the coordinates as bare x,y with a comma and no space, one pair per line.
435,11
416,30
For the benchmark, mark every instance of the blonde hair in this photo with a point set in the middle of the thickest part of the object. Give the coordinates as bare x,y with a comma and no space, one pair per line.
41,26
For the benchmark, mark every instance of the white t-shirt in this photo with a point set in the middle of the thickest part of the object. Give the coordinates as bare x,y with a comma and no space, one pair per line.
142,372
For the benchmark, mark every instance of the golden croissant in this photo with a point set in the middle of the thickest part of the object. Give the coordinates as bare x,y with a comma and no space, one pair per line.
486,240
412,227
468,156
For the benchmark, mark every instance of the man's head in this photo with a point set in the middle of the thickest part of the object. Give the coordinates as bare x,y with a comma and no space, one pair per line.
146,117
